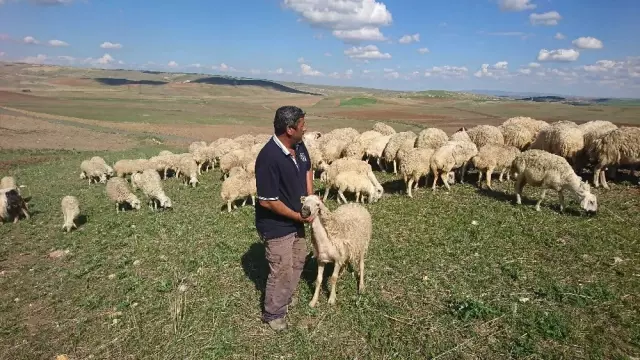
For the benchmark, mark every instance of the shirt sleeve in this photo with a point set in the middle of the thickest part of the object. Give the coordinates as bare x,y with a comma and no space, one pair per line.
267,180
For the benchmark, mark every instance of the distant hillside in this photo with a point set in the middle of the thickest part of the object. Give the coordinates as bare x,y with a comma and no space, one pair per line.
219,80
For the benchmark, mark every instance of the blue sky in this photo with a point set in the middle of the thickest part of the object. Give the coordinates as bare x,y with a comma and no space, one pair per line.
580,47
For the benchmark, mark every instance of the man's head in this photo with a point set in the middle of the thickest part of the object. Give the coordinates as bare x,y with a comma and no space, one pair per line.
289,120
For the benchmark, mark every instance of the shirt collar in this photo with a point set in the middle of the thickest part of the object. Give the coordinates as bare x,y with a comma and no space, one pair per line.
281,146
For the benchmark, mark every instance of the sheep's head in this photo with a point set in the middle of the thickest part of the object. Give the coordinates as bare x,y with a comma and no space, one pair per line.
589,201
83,175
193,181
451,177
311,206
134,202
165,202
103,178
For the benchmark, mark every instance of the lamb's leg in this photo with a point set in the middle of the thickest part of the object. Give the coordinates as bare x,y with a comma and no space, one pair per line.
361,273
409,186
332,283
229,206
544,192
489,172
462,172
316,293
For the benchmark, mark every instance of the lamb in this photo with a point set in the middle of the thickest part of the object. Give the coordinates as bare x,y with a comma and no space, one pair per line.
618,147
118,191
357,183
482,135
532,124
150,183
549,171
242,185
562,138
346,164
517,135
12,205
452,155
70,211
401,140
383,129
494,157
431,138
341,236
93,171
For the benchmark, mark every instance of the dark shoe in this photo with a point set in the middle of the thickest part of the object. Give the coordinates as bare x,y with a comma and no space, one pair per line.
278,324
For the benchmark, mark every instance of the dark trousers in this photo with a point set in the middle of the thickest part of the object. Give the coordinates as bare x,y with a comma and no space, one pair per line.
286,256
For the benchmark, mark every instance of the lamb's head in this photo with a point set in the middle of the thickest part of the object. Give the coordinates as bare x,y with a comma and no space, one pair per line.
311,206
589,201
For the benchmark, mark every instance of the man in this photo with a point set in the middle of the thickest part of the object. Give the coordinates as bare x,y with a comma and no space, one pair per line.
283,175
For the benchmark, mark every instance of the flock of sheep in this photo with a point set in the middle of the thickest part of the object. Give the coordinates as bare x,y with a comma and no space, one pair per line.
550,156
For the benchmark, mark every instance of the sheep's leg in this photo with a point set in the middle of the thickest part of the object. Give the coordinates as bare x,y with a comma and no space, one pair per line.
316,293
561,198
395,166
332,282
117,207
342,196
435,180
229,206
253,200
326,193
489,172
596,176
361,274
518,187
479,178
603,179
544,192
501,175
443,176
358,199
409,186
244,202
462,172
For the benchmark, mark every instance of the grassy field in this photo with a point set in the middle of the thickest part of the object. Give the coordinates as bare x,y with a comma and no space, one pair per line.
357,101
187,283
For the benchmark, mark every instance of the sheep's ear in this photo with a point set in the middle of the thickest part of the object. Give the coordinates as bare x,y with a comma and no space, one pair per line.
302,199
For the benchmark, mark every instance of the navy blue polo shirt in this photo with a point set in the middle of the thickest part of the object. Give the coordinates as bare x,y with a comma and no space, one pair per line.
280,176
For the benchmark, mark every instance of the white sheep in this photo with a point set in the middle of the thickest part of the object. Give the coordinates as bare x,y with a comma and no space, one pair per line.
376,149
482,135
460,135
356,149
494,157
431,138
591,131
346,164
195,145
165,152
70,210
401,140
341,236
357,183
99,160
93,171
452,155
241,185
188,170
517,135
618,147
232,159
532,124
416,165
151,184
118,191
127,167
383,129
543,169
563,138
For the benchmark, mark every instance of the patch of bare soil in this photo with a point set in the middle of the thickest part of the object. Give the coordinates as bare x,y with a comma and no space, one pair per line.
391,115
22,132
72,82
8,164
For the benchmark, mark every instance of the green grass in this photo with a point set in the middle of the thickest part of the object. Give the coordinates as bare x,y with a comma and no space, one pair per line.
357,101
519,284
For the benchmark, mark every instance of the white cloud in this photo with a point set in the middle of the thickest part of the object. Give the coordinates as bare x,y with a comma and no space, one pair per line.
366,52
348,73
423,50
35,59
57,43
278,71
447,71
499,69
550,18
105,59
524,71
587,43
196,65
359,35
30,40
309,71
172,64
223,67
392,75
327,54
4,37
534,65
501,65
516,5
334,75
300,60
559,36
558,55
603,66
408,39
110,45
348,18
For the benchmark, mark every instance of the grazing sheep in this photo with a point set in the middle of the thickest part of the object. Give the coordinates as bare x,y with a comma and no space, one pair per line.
460,135
344,134
376,149
118,191
195,145
562,138
332,149
315,156
494,157
618,147
241,185
93,171
532,124
188,170
341,236
346,164
12,205
237,171
431,138
127,167
205,156
452,155
517,135
310,138
261,139
70,211
591,131
383,129
356,149
543,169
232,159
482,135
246,141
98,160
415,165
401,140
357,183
151,184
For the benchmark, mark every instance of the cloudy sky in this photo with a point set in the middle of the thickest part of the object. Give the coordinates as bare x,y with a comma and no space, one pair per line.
578,47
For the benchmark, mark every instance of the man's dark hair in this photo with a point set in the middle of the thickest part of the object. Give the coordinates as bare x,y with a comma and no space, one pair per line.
286,116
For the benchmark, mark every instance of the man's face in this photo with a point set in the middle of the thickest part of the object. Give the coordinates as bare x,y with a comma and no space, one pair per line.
298,132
